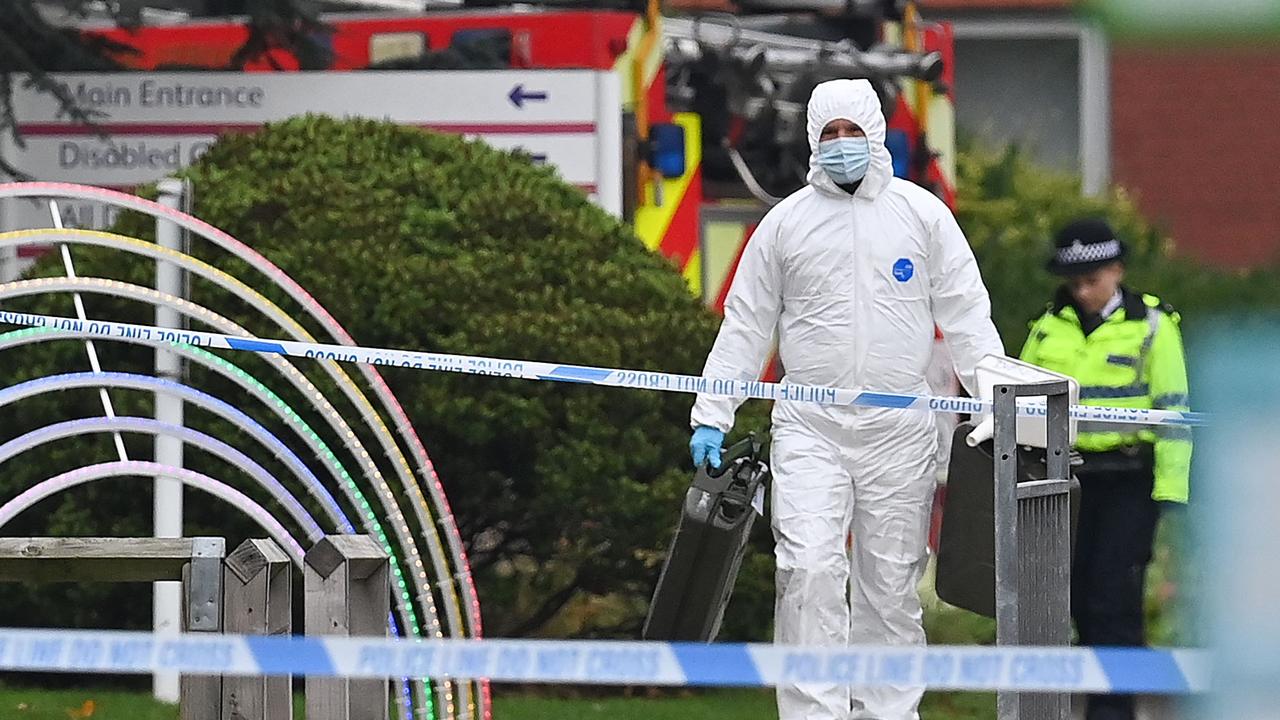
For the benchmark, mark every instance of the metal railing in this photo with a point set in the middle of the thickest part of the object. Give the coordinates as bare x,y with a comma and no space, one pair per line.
1033,543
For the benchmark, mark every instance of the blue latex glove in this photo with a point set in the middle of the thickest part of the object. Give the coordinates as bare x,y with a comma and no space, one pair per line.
706,446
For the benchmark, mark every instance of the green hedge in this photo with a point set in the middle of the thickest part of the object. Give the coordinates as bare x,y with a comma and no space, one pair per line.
1009,208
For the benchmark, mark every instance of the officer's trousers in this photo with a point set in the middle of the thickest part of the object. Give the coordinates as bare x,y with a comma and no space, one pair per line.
1114,539
880,491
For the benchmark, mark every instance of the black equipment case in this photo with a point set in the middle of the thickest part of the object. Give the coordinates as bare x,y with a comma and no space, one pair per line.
702,565
966,574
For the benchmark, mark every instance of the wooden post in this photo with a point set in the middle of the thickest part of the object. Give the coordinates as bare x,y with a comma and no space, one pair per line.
257,585
348,593
94,559
201,695
196,561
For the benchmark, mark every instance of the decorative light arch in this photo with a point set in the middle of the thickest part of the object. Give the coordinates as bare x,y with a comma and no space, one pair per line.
350,389
231,414
303,298
462,580
148,426
124,468
128,291
198,398
224,368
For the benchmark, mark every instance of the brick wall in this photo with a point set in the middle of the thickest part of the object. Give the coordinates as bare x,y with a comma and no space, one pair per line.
928,6
1196,140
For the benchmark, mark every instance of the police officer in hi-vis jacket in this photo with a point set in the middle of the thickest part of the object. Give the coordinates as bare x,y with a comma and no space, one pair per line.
1125,349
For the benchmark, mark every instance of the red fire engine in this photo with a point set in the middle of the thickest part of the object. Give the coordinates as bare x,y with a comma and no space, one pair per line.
699,207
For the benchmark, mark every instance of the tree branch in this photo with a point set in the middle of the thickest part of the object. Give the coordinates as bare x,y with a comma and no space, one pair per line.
283,25
548,609
627,627
31,46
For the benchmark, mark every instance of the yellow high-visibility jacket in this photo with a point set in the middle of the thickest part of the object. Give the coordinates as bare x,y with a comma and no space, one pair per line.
1134,359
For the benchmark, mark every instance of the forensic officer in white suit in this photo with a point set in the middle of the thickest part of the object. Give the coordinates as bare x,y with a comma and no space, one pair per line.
850,274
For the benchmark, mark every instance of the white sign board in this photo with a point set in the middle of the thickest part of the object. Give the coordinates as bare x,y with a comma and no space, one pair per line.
159,122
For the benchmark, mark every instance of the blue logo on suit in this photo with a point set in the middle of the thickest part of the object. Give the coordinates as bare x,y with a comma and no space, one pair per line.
903,270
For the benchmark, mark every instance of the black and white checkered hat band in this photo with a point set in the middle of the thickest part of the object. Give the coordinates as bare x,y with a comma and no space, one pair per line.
1077,253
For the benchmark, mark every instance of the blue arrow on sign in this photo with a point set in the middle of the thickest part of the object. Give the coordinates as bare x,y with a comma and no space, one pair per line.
518,95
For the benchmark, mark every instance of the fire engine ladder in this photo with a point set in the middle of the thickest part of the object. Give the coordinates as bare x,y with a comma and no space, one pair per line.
788,53
758,54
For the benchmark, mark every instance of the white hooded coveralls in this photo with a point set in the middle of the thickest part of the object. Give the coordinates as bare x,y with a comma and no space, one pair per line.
852,287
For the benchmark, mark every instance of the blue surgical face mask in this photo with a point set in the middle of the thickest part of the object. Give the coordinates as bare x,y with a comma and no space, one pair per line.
845,158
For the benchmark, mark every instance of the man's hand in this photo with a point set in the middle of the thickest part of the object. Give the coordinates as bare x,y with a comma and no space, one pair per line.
706,446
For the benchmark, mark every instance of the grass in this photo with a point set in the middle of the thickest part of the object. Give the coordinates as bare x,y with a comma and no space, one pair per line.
23,703
754,704
20,703
945,625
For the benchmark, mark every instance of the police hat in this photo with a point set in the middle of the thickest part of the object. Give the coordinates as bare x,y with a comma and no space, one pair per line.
1084,246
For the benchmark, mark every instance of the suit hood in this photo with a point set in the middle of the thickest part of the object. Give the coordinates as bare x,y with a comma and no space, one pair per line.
856,101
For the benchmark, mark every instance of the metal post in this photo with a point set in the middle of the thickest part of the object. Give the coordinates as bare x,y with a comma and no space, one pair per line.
1095,110
348,592
167,598
1032,543
258,583
8,255
201,695
1005,447
609,134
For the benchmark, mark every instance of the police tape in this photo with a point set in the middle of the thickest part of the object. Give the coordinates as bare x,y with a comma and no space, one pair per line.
610,377
602,662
